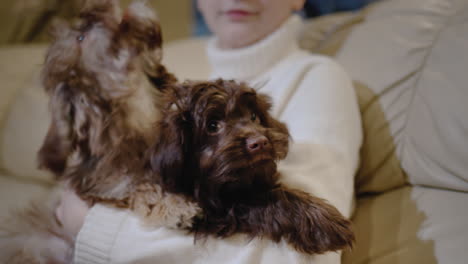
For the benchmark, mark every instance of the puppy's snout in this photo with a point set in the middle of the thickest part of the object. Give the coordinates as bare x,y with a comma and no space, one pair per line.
256,144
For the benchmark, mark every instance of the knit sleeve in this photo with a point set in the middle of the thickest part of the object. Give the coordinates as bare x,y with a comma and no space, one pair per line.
97,237
116,236
323,117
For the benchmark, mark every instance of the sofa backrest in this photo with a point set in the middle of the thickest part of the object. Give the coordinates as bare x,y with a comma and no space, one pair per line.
411,59
27,21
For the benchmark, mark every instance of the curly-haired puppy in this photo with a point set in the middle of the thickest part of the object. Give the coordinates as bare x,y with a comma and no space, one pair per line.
219,145
103,106
104,110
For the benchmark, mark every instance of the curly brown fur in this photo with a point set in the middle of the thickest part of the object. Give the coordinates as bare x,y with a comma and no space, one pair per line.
104,110
103,106
219,145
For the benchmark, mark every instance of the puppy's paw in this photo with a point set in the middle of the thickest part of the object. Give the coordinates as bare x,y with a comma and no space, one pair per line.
310,224
158,208
188,211
321,228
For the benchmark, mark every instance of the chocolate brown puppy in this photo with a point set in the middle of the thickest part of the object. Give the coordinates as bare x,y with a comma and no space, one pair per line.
219,145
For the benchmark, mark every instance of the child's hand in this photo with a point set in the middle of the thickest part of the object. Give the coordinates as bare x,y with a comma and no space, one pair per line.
71,212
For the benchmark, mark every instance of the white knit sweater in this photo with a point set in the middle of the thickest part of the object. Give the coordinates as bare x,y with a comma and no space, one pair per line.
315,98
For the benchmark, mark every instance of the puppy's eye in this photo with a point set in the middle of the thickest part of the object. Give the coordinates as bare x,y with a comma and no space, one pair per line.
213,126
80,38
254,118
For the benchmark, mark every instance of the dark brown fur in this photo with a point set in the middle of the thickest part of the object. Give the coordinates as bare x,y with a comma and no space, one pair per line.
235,184
103,107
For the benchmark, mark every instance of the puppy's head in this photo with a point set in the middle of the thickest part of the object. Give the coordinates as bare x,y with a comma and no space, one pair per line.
101,50
218,138
91,68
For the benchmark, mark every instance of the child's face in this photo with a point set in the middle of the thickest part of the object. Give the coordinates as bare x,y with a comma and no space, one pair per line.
238,23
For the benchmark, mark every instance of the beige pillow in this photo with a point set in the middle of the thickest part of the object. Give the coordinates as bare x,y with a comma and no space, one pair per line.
415,61
17,66
380,169
24,130
12,81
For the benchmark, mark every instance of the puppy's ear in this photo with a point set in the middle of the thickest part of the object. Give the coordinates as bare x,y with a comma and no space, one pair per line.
140,27
169,157
54,152
58,142
278,131
264,105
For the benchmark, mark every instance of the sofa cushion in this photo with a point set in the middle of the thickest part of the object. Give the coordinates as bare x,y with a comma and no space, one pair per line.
380,168
187,58
18,65
410,225
445,222
26,122
412,56
435,151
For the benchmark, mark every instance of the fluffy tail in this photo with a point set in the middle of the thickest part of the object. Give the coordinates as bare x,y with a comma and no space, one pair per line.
33,235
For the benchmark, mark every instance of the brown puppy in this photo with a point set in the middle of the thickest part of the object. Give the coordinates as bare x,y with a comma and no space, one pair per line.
104,108
219,145
103,114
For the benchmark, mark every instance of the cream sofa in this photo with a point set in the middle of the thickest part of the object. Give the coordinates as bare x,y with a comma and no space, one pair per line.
409,59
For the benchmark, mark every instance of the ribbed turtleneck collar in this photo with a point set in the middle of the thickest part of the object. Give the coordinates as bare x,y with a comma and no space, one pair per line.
248,62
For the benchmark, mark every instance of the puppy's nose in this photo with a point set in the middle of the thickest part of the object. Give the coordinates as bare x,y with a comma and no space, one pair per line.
256,144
